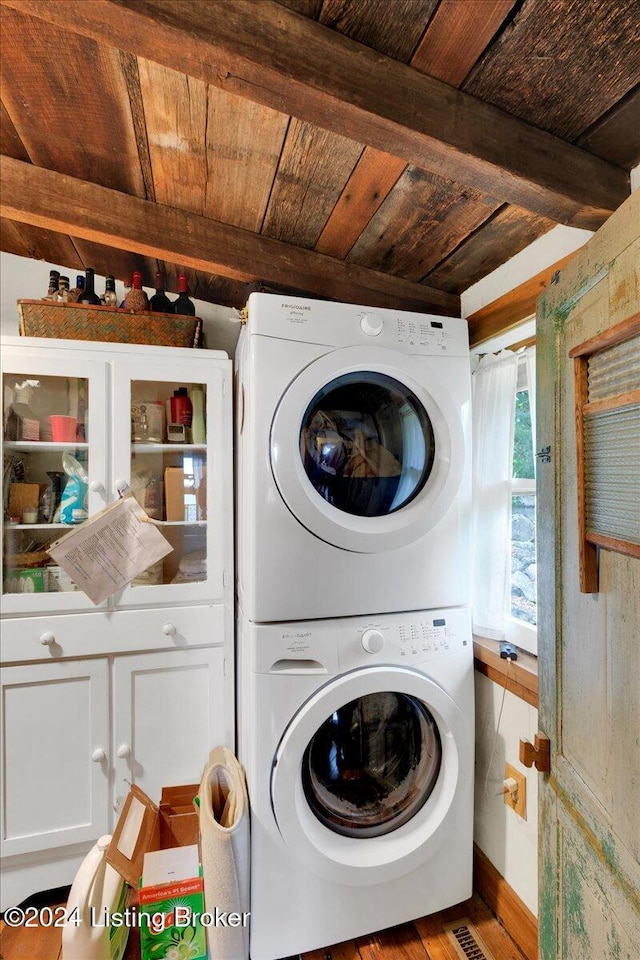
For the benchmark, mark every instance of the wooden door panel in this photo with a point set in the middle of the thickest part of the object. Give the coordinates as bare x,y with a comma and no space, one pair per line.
589,652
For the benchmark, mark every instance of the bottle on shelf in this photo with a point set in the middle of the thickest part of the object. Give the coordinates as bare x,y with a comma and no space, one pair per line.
181,409
74,294
22,422
89,295
184,304
54,277
62,294
110,299
198,430
160,302
128,285
136,299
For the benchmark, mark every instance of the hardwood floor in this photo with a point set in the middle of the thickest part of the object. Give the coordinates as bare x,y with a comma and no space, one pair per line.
424,939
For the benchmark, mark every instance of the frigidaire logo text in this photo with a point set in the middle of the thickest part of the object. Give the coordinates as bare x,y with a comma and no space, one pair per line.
294,306
296,636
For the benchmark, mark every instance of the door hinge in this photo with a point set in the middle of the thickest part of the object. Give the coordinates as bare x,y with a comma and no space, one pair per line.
536,754
544,455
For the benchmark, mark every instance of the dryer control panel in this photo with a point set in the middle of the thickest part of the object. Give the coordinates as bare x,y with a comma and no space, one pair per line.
346,325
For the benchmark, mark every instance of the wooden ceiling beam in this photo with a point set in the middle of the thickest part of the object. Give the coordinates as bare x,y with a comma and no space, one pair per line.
54,201
268,53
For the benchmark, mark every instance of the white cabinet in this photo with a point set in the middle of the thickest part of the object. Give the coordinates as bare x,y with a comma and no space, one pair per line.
114,401
55,755
168,709
140,688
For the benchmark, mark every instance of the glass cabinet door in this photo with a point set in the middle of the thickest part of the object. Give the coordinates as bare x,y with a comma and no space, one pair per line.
172,451
54,472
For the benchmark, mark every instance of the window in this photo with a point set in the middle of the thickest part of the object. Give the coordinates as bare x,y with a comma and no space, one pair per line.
504,497
521,613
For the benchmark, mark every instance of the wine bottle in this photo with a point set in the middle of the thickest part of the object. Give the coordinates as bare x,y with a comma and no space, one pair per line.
74,294
128,285
136,299
184,304
160,302
89,295
62,294
110,298
54,278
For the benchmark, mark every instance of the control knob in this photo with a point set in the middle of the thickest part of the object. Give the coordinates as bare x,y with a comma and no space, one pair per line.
371,324
372,641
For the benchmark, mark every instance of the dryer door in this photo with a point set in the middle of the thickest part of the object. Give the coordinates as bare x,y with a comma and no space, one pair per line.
372,774
365,456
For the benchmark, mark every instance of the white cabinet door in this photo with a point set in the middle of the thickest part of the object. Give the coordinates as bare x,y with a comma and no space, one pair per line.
66,404
181,475
169,711
55,755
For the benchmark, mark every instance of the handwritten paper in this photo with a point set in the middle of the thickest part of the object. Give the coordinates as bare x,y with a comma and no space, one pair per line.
110,549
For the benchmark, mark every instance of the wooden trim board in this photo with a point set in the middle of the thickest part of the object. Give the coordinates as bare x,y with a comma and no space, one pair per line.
513,307
504,902
520,677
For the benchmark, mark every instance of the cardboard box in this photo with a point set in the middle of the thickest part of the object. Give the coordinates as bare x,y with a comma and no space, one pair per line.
174,493
179,823
140,831
23,496
29,580
171,903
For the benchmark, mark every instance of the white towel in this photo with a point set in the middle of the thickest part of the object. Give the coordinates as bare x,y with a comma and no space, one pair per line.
224,842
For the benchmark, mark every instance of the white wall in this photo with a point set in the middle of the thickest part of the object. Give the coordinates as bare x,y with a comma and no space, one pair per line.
510,843
543,252
24,279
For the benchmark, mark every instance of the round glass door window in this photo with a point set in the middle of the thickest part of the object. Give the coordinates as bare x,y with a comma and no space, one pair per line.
372,764
367,444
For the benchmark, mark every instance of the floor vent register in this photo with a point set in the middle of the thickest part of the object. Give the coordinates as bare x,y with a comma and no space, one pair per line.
466,941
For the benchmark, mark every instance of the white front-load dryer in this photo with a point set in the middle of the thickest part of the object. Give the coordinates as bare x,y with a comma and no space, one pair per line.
356,735
353,460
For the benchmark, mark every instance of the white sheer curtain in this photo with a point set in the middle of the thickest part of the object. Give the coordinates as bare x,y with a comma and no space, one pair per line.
493,393
530,357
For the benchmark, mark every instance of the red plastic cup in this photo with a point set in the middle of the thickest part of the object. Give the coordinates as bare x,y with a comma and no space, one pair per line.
63,429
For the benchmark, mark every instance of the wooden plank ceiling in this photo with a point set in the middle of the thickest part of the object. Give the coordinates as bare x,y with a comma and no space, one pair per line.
388,152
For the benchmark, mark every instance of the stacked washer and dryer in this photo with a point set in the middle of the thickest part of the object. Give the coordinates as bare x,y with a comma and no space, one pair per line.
355,663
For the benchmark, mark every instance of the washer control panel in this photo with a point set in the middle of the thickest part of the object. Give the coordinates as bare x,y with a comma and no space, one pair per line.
407,638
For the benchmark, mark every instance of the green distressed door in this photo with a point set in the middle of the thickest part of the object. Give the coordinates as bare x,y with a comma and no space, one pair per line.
589,643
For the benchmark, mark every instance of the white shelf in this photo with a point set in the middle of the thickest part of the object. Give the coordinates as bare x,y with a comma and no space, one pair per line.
40,526
179,523
174,447
43,446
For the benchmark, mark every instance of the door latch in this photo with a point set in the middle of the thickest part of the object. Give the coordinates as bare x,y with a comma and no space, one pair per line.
544,455
536,754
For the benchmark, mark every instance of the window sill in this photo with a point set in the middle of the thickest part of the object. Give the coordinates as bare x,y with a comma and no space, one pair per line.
520,677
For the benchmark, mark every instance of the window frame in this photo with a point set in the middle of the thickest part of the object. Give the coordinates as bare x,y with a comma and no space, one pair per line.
522,635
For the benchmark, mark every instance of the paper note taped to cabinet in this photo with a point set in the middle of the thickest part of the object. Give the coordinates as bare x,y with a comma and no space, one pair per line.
106,552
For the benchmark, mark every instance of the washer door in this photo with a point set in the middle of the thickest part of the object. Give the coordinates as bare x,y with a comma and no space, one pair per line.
365,776
365,456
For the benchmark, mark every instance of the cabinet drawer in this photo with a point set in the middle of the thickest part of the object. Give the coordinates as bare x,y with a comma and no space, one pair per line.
122,631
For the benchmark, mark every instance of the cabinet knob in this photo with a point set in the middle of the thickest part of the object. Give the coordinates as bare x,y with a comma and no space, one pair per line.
169,630
97,486
98,755
124,751
122,488
47,639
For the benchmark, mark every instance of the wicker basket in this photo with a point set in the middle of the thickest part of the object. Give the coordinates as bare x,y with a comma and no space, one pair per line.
70,321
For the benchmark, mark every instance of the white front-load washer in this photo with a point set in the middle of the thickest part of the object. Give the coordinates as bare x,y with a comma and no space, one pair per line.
353,460
356,735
